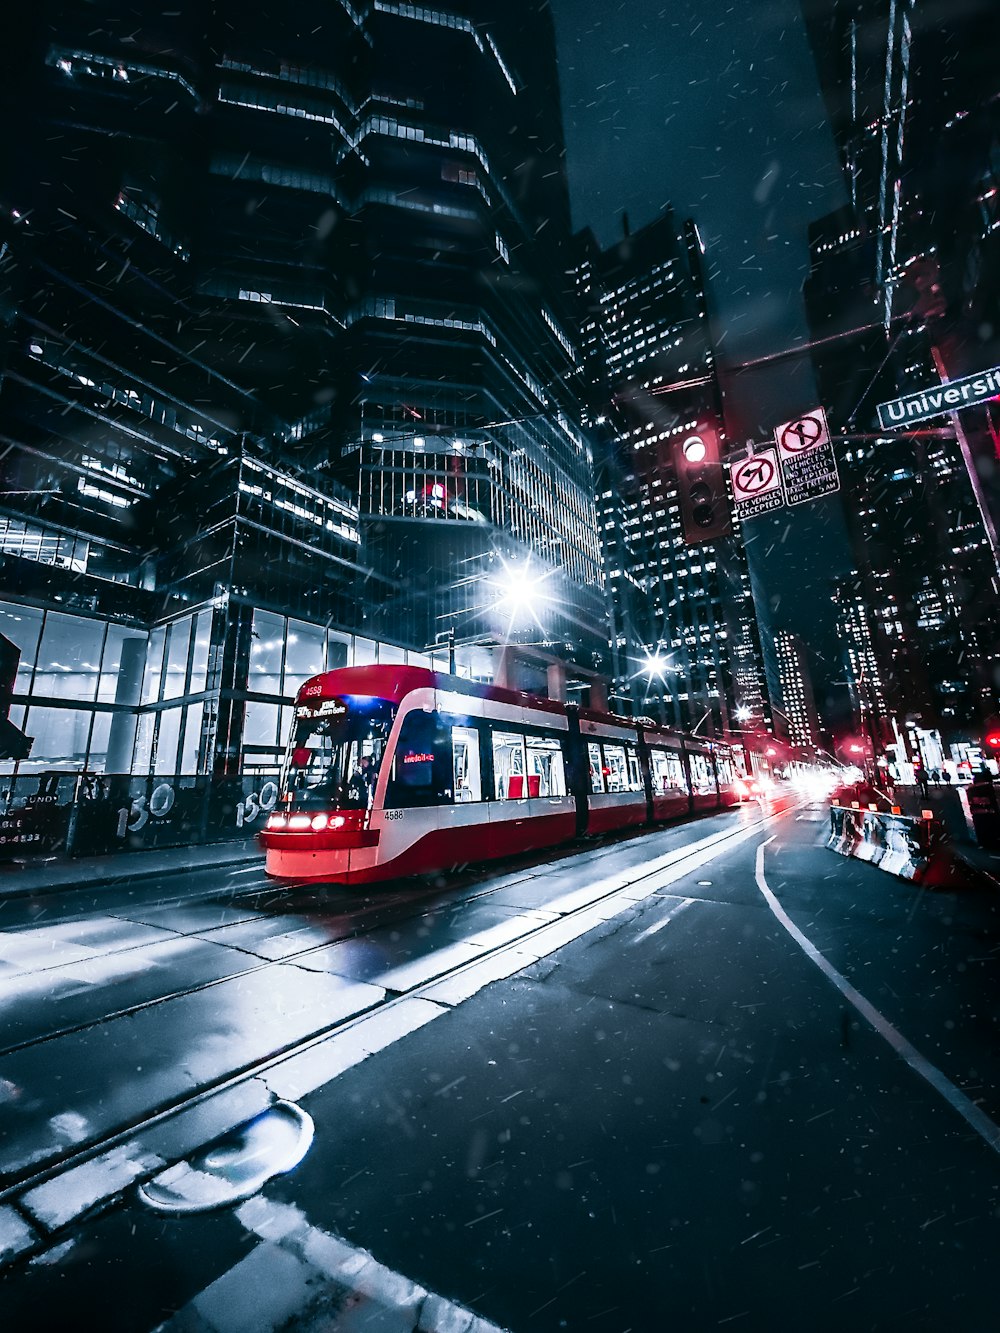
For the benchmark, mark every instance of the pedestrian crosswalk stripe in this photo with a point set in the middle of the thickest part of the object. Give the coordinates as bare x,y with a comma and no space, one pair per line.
303,1277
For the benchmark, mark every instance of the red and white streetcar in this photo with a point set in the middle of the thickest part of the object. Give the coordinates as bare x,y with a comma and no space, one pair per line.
394,771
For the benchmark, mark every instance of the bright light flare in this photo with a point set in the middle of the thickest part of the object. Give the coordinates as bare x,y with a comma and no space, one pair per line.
520,591
655,665
743,713
815,785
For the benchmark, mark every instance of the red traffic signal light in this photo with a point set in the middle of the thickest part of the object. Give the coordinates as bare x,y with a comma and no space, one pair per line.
701,485
991,742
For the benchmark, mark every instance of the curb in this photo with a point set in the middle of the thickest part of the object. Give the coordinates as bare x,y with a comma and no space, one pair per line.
12,889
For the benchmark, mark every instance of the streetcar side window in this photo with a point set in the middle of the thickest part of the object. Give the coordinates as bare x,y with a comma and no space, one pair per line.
702,777
596,768
509,768
668,773
468,784
546,770
616,768
634,771
725,767
422,766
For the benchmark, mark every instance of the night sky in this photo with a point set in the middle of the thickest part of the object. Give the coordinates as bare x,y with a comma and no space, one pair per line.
713,107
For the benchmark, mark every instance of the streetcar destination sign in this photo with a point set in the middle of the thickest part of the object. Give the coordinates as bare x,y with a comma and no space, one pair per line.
949,397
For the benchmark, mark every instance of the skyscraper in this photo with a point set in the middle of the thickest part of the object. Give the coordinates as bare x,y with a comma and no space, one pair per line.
798,700
903,288
686,638
285,375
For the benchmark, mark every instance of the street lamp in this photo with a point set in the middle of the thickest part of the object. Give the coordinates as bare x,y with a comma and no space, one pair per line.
520,591
655,665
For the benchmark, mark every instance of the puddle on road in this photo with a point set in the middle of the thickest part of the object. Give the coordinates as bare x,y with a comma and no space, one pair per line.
234,1167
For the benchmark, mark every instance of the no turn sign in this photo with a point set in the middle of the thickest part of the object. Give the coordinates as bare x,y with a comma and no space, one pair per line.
799,436
755,475
756,484
808,462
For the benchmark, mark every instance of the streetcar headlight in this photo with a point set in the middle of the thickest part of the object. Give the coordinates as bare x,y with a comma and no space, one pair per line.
337,821
276,821
318,822
299,821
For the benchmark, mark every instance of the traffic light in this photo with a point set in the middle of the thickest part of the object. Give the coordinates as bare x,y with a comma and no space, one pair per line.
13,743
701,484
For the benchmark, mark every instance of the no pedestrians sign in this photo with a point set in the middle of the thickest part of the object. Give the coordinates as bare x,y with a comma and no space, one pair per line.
756,484
808,463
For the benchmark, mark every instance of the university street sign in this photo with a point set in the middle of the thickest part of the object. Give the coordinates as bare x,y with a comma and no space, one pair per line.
949,397
808,463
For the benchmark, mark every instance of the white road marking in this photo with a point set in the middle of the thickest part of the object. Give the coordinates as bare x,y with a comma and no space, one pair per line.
664,920
987,1130
298,1269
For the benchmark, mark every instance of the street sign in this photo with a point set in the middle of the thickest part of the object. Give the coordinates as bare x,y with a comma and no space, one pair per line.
809,431
935,402
756,484
808,463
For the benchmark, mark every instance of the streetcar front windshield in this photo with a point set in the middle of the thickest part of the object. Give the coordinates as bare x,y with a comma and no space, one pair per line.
335,752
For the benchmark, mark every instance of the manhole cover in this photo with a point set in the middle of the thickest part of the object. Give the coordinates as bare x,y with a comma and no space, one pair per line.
234,1167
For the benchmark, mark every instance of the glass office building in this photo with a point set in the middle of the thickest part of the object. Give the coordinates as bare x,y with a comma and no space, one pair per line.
286,376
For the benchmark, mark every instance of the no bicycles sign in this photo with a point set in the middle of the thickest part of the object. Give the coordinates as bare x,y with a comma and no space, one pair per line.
808,463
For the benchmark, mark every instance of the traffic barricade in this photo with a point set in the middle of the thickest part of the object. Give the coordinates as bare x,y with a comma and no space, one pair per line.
871,845
845,829
910,848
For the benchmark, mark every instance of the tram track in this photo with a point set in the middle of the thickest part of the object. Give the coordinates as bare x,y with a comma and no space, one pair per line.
18,1184
373,904
180,993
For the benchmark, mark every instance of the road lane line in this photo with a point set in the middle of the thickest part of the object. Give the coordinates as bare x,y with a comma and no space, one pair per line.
978,1120
664,920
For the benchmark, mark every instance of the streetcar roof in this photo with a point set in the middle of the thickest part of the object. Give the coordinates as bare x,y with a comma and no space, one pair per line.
393,683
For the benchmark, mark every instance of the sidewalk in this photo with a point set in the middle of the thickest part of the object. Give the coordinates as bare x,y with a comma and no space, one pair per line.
17,879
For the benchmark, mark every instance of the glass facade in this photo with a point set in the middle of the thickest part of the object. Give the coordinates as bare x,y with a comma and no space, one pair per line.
107,698
331,386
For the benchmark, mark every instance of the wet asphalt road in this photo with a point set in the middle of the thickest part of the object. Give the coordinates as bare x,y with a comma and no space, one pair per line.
672,1121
